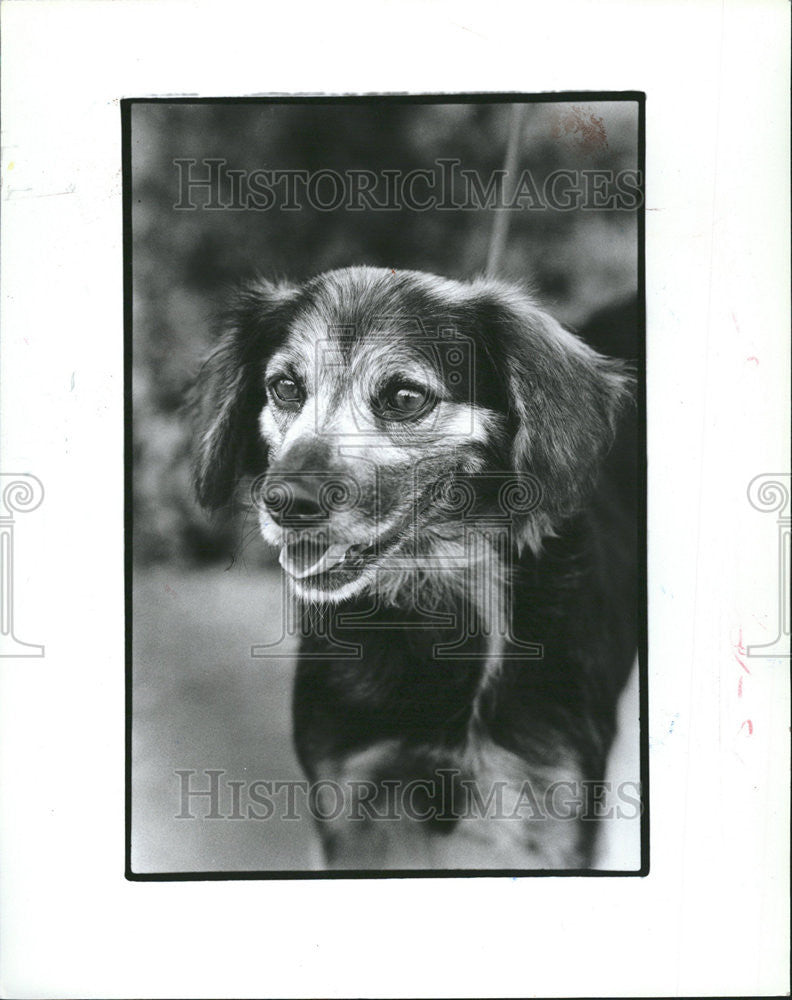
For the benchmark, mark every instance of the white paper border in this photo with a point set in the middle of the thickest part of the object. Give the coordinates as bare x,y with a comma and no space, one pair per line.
712,917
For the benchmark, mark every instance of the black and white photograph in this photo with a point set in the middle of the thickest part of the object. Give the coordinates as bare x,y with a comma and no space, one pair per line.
387,485
394,499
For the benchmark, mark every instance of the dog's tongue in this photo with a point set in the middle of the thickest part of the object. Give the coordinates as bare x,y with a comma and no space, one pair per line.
310,556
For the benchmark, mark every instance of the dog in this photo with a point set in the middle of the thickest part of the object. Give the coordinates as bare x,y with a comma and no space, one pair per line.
439,464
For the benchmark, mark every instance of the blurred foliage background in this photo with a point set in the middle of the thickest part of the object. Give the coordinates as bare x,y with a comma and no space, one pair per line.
578,262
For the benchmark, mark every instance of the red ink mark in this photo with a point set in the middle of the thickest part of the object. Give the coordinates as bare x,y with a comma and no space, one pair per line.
735,322
737,658
752,358
392,271
585,128
170,590
740,649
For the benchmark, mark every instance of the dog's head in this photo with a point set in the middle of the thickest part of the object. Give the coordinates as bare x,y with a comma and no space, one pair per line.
387,415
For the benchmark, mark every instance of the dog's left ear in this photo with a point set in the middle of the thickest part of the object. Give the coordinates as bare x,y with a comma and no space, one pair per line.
229,391
564,401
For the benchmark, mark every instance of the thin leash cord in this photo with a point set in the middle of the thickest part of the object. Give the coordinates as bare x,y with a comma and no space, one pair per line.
500,225
498,237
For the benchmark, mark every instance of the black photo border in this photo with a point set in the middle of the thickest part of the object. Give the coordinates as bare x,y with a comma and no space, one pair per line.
500,97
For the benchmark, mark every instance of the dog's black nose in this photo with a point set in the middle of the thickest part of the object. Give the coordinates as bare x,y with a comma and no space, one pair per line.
294,500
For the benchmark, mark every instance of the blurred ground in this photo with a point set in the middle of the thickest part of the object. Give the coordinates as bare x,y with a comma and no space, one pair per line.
201,702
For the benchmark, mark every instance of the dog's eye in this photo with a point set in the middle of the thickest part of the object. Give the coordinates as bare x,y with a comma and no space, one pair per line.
286,390
407,400
400,402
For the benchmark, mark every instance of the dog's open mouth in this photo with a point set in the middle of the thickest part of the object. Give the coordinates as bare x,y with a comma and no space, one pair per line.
312,558
312,555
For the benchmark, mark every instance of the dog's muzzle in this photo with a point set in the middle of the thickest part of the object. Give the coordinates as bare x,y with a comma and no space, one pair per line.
301,505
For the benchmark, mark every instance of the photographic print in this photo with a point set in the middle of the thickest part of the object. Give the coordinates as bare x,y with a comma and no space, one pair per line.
394,416
385,471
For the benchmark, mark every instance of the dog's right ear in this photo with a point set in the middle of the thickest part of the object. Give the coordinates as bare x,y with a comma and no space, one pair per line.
228,394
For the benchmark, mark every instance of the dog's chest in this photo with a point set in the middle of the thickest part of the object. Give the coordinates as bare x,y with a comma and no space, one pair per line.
393,686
